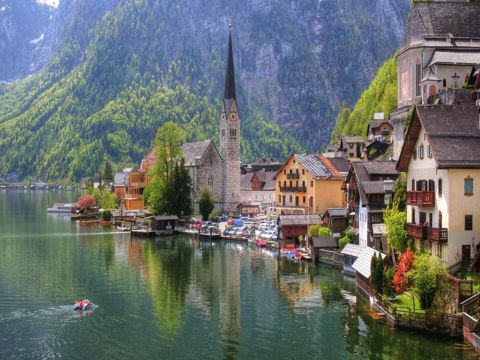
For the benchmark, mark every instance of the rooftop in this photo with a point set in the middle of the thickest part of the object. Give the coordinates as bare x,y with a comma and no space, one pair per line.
289,220
193,150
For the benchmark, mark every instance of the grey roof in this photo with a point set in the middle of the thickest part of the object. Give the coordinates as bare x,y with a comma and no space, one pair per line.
245,183
386,167
288,220
120,179
314,165
453,134
166,218
337,212
352,250
270,160
438,19
455,57
373,187
362,264
193,150
353,139
340,163
325,242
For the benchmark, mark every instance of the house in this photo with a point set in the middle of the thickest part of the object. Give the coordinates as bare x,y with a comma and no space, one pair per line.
248,209
369,187
120,183
164,225
441,155
265,163
439,53
352,146
336,219
258,188
309,184
379,133
291,227
321,243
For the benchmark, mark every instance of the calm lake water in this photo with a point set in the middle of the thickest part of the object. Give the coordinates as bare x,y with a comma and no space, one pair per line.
175,298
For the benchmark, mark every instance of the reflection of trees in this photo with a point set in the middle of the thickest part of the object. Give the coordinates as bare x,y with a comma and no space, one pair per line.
168,267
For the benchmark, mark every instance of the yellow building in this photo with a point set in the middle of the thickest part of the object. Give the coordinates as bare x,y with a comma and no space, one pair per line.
441,153
309,184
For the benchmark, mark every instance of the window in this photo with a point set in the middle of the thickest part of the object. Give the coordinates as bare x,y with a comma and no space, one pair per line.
284,171
296,171
210,184
431,185
468,222
413,184
429,152
440,185
303,171
418,77
444,83
468,186
296,183
304,199
414,154
420,152
440,220
413,215
223,133
279,184
283,200
233,133
311,183
291,183
291,171
303,183
284,183
279,198
291,199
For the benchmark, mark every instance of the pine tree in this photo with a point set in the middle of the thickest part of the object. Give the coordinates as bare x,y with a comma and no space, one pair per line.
206,203
108,172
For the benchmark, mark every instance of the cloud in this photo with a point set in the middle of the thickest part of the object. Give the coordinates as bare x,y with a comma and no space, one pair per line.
53,3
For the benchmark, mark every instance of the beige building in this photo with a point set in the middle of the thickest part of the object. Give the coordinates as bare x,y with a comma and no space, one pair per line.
441,153
309,184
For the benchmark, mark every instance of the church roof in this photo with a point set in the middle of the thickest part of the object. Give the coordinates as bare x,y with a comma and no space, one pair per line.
438,19
230,77
455,57
193,150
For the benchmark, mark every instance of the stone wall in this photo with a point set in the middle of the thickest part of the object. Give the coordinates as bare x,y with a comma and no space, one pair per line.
397,119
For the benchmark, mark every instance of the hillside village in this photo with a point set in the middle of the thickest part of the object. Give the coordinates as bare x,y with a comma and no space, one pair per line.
424,159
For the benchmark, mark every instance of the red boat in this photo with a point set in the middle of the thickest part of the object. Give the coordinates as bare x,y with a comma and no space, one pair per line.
261,243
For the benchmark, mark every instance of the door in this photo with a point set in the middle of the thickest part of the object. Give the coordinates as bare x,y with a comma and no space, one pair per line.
465,255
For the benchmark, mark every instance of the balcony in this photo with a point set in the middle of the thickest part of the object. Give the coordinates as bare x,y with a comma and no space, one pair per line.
293,189
293,176
137,184
421,198
417,231
437,234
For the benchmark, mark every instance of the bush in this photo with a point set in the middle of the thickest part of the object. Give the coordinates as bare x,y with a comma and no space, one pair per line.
106,215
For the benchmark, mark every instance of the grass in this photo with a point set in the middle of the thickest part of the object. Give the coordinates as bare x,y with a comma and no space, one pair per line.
404,301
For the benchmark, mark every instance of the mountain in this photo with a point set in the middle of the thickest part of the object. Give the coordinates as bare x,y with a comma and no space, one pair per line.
123,69
380,96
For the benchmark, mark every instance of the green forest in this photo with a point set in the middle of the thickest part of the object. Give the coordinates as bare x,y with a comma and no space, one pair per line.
107,101
380,96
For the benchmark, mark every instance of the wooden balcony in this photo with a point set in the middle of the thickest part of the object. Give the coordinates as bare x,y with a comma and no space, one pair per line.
437,234
293,189
421,198
417,231
138,184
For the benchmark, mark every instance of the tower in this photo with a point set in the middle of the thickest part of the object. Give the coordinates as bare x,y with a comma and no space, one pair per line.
230,137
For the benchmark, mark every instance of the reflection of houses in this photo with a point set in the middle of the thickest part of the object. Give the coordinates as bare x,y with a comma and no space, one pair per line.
369,186
309,183
258,188
291,227
441,153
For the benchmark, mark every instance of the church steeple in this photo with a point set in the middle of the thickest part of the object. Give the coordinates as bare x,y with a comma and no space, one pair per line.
230,78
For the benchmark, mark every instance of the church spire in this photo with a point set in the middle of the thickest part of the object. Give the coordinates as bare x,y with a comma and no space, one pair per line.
230,78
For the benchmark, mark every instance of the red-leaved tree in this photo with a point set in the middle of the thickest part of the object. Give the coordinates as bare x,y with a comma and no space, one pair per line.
86,202
400,279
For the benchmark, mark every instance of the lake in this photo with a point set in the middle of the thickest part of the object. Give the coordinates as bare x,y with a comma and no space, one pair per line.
176,298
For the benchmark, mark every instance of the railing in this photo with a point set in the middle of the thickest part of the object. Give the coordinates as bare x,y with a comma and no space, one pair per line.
417,231
293,176
438,234
293,188
421,198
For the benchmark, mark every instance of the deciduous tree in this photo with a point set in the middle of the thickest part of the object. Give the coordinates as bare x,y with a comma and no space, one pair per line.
206,203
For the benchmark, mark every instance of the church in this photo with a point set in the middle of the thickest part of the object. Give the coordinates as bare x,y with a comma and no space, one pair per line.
210,168
219,169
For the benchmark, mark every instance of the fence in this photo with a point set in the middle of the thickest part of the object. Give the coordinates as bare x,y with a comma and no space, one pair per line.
329,257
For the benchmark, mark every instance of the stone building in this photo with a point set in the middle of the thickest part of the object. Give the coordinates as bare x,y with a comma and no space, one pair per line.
440,48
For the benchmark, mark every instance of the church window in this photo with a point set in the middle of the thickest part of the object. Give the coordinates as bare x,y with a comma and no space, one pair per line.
418,75
223,132
210,184
233,133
